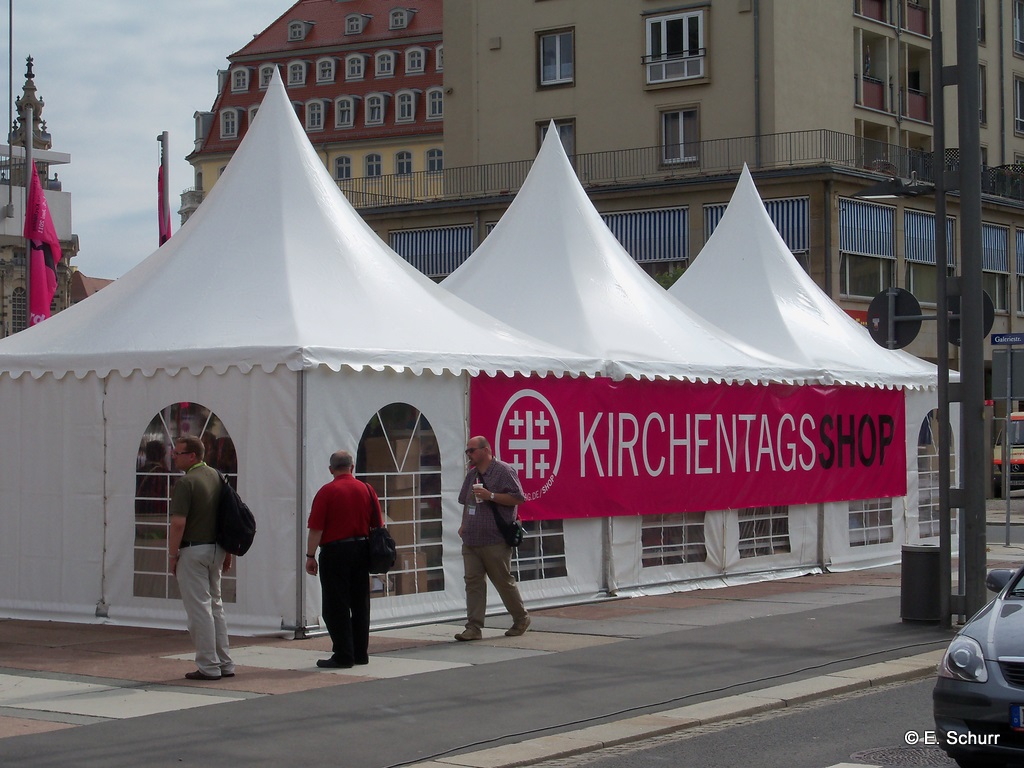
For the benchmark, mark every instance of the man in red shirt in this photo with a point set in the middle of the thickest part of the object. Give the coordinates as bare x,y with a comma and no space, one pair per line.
343,512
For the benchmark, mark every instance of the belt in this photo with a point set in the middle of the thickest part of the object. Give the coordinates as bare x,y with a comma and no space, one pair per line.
345,541
194,544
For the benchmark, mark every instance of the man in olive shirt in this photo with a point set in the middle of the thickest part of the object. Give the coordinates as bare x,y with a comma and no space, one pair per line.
196,560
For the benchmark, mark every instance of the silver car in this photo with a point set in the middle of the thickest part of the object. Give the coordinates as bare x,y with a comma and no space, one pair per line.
978,699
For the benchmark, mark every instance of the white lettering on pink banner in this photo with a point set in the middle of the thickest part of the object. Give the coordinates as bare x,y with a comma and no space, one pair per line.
597,447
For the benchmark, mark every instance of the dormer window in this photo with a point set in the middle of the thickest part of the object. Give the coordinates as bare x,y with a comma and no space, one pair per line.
266,74
325,70
297,30
240,80
315,115
399,18
355,66
415,60
229,123
376,104
385,63
355,23
405,106
439,58
297,73
435,104
345,112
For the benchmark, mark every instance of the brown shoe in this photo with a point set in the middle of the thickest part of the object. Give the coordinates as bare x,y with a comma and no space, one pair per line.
197,675
469,634
519,628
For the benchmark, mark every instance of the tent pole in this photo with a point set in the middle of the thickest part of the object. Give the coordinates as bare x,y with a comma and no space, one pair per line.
300,505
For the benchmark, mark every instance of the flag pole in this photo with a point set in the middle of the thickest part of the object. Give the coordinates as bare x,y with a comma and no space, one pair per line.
29,133
9,210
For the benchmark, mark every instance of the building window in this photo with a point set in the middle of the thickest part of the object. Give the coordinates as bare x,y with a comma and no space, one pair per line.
375,103
398,455
679,136
345,109
435,160
297,30
342,167
556,58
229,124
154,484
763,531
325,71
997,286
403,163
921,281
672,540
864,276
981,21
439,58
315,116
415,61
385,64
1018,27
374,165
405,107
675,47
354,24
266,75
1018,105
995,264
19,310
297,73
240,80
566,134
982,95
870,522
435,104
399,18
355,66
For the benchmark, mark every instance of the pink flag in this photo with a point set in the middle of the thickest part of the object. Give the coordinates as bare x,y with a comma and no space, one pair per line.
44,250
163,211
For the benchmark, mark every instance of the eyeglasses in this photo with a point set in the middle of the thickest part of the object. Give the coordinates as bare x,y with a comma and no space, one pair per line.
183,453
471,451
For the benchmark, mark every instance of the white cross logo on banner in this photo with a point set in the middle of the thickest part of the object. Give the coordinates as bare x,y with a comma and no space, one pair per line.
529,439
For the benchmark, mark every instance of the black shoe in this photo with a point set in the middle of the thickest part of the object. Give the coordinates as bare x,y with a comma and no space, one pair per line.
332,664
360,662
197,675
227,674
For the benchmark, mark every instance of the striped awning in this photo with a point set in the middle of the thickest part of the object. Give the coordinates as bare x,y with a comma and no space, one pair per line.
789,214
660,234
866,228
436,252
1020,252
995,248
919,237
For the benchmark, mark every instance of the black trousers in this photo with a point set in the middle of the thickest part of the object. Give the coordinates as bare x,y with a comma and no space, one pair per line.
345,583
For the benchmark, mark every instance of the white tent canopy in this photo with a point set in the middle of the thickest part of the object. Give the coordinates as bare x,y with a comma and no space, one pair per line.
275,268
552,269
747,281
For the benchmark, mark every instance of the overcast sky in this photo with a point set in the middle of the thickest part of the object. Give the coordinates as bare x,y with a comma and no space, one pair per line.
113,75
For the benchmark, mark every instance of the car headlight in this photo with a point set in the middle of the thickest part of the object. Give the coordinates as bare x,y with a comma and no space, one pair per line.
964,660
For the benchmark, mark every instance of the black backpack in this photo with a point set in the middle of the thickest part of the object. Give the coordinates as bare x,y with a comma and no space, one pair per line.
236,525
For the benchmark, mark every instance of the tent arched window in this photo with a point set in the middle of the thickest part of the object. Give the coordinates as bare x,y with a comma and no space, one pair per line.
928,476
154,483
398,455
764,531
870,522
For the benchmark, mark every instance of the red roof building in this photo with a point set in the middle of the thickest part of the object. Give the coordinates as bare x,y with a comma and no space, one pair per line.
366,80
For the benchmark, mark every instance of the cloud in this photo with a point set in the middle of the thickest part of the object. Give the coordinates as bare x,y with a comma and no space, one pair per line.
114,74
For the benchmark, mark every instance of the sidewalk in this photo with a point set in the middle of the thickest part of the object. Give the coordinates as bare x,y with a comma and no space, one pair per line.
56,677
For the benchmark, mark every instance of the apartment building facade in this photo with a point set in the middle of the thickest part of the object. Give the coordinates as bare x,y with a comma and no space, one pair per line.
365,78
661,103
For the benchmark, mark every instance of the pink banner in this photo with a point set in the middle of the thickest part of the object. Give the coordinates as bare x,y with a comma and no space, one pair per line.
599,448
44,251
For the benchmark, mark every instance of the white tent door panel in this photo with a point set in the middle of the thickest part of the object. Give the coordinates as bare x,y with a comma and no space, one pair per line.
257,409
51,494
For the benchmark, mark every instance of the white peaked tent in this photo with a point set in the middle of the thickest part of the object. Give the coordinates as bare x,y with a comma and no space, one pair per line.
746,263
280,311
552,269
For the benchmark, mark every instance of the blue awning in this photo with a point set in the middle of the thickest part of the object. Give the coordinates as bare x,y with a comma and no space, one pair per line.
866,228
653,235
436,252
919,237
995,248
789,214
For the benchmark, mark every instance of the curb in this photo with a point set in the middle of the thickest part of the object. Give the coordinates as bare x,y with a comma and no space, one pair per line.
596,737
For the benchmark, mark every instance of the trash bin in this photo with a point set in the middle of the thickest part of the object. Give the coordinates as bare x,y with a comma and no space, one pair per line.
920,588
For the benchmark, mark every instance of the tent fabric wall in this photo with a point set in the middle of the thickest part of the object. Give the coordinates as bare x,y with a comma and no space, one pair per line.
51,497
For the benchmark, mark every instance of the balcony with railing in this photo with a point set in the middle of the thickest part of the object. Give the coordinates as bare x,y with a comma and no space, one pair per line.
915,18
646,166
667,68
916,106
871,9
